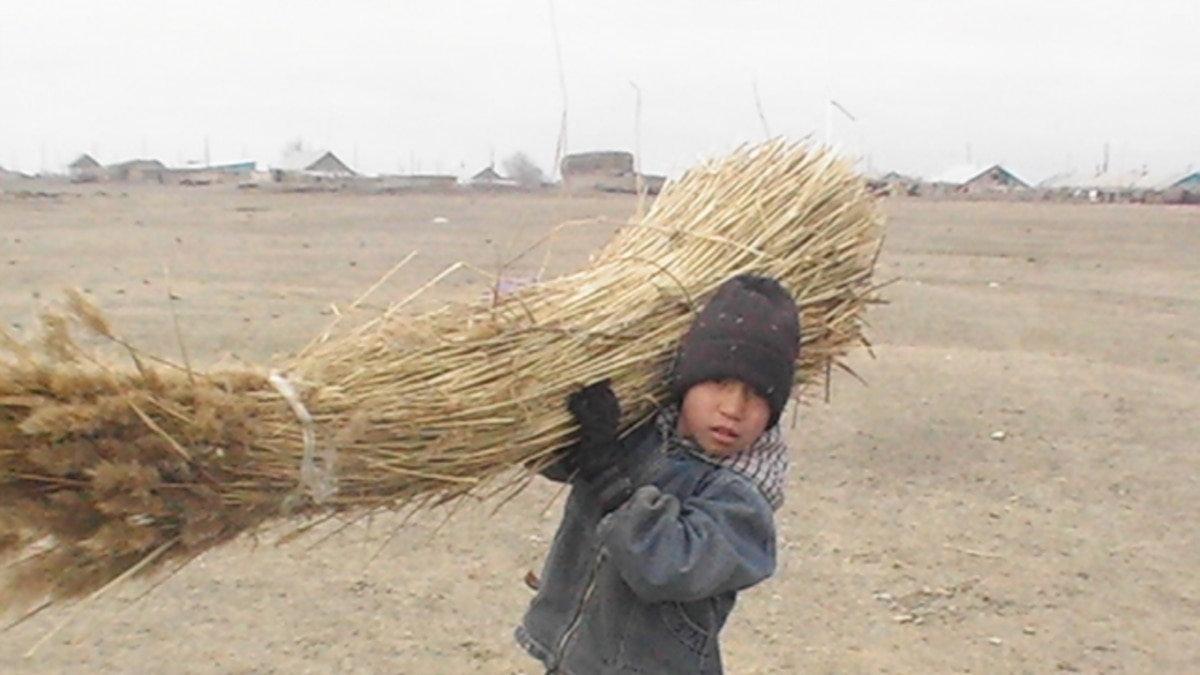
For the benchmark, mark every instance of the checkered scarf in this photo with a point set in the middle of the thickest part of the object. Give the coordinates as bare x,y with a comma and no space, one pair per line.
765,462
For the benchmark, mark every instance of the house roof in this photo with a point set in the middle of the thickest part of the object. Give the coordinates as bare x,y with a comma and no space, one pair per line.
138,164
965,173
1115,180
1168,180
1118,180
488,173
84,161
295,159
881,175
299,160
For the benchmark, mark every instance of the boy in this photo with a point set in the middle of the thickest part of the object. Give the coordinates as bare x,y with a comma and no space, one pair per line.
664,527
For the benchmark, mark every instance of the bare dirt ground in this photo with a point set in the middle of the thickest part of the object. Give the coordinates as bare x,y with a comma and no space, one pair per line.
1014,490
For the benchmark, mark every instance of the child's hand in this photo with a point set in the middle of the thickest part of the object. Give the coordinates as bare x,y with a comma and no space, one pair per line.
597,411
597,457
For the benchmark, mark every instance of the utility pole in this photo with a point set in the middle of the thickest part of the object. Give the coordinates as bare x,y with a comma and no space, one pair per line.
829,120
637,142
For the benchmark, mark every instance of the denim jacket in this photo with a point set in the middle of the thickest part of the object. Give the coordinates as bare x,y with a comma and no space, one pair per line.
647,588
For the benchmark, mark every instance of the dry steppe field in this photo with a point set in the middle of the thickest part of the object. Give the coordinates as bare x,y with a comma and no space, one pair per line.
1014,488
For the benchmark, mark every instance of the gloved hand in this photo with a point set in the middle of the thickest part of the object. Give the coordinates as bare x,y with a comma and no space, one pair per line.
597,457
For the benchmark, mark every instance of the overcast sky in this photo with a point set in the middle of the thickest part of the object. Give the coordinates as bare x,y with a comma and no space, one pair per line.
443,86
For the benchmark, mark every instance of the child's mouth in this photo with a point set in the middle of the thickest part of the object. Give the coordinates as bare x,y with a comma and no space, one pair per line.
724,434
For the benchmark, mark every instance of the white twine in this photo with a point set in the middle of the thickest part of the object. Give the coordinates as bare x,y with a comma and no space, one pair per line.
319,481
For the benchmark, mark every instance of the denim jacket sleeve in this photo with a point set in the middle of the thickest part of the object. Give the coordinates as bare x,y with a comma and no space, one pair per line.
717,541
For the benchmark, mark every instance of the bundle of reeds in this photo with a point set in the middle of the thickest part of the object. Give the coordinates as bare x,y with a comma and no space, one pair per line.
109,471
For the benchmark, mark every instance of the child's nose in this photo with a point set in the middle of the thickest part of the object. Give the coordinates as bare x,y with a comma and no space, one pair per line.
733,401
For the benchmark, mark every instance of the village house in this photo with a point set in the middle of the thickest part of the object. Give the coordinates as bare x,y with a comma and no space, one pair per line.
892,183
606,171
137,171
416,182
85,169
299,164
488,178
230,172
588,170
1181,187
972,179
1139,185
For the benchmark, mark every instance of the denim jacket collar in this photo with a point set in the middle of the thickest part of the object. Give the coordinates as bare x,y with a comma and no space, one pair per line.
764,463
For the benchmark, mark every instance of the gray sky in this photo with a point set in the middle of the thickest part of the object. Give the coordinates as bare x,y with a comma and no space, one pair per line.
400,85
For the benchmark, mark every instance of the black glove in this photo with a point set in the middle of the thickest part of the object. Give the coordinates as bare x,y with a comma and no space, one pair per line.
597,457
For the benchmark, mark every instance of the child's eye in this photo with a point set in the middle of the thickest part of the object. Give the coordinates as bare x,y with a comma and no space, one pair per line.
739,387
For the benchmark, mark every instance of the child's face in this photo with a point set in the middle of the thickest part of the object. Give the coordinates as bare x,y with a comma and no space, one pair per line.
723,417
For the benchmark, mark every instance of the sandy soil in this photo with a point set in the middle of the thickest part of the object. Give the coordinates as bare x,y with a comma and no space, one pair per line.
1014,490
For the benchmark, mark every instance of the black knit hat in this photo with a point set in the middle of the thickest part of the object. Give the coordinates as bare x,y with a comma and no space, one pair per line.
749,331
